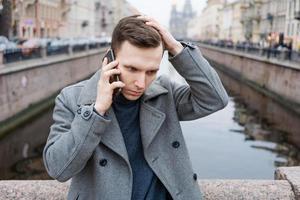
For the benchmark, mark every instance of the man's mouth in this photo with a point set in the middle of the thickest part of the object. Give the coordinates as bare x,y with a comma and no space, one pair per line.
134,93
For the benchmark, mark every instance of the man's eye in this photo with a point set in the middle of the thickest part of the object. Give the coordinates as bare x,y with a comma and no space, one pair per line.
152,72
131,69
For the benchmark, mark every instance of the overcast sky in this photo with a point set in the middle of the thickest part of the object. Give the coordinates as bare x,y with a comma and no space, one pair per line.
160,9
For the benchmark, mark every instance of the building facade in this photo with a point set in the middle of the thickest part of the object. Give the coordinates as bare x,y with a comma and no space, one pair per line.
272,21
94,18
230,24
26,19
251,19
37,18
6,7
109,13
209,20
179,21
292,23
79,19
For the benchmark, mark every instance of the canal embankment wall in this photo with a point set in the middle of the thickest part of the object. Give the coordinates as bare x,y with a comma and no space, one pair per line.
28,87
278,79
286,186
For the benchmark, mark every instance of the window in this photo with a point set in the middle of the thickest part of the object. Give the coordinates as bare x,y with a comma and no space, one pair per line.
290,8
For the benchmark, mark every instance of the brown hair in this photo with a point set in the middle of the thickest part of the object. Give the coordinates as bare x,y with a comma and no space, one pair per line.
136,32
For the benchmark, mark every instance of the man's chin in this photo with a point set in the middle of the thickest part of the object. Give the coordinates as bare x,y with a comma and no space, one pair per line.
131,97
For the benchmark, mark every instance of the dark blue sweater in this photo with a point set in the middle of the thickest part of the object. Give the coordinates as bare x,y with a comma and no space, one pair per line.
146,185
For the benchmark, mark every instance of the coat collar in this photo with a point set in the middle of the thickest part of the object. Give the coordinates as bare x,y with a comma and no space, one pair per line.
89,92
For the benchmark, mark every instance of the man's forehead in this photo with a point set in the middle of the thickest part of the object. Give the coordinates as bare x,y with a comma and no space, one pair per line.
143,66
140,58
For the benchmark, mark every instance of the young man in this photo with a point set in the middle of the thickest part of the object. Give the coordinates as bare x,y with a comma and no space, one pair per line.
131,146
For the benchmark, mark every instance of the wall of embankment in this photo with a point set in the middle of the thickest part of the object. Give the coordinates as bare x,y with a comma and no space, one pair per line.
276,78
28,87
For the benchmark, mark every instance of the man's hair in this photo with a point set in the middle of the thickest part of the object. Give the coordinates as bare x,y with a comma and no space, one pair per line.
136,32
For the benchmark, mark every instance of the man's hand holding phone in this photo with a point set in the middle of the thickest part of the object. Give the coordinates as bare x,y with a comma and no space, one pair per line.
105,89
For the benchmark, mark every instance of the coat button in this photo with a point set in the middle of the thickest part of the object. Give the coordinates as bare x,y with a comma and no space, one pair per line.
79,111
103,162
195,176
86,113
175,144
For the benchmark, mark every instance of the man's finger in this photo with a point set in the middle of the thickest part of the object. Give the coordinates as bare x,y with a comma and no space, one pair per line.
111,72
104,62
110,65
154,25
117,84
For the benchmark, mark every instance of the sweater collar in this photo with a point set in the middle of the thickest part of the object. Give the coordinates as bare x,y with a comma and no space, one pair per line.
120,99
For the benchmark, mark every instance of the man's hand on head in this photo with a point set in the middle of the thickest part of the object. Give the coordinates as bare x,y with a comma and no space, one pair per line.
171,44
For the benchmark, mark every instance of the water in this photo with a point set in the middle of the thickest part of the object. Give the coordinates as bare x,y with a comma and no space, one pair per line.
220,153
247,140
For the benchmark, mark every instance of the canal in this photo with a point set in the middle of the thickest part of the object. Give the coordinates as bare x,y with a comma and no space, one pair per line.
247,140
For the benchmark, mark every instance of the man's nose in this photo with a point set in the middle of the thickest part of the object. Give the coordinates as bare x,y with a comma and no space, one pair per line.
140,82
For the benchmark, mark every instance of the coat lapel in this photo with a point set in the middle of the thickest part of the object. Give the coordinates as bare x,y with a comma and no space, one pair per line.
151,118
113,138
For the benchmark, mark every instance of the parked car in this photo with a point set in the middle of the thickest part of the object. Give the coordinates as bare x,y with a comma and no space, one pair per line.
5,44
104,40
34,44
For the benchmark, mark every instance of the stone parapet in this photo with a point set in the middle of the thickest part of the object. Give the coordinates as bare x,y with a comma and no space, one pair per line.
292,175
50,190
246,189
285,187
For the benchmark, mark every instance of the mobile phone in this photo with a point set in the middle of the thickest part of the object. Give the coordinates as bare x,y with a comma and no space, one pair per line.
111,57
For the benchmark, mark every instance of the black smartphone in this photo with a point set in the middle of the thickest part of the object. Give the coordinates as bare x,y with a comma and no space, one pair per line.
111,57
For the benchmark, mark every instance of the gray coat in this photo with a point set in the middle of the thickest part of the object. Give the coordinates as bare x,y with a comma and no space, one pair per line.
90,149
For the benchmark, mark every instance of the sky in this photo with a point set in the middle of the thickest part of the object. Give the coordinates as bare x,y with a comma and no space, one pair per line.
161,9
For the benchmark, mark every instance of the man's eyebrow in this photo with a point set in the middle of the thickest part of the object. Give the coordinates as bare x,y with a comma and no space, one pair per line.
155,69
128,66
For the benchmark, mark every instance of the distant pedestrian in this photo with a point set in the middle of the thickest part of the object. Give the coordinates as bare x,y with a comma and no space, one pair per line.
289,47
269,50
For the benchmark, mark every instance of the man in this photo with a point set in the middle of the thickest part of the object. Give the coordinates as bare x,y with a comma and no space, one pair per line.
131,146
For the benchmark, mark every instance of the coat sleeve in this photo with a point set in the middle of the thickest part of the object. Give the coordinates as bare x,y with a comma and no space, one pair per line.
204,93
72,138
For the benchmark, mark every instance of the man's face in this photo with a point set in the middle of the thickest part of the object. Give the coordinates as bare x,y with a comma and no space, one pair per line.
138,68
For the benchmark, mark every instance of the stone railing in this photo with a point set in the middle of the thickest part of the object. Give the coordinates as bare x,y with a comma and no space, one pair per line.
280,53
19,55
286,186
